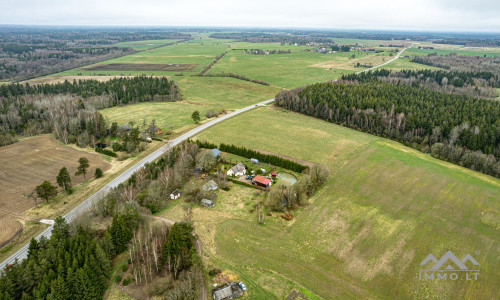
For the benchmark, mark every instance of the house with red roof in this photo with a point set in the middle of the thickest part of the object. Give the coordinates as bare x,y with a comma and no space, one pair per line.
261,181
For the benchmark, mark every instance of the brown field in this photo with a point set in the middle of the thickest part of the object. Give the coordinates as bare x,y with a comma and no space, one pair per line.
142,67
70,78
27,164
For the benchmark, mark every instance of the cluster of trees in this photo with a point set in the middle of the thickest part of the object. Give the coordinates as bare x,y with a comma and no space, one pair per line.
472,42
249,153
262,37
416,117
67,266
28,52
62,109
478,84
122,90
285,197
454,62
237,76
341,48
212,63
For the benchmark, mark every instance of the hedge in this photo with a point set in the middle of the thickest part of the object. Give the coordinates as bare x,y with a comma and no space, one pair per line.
106,152
249,153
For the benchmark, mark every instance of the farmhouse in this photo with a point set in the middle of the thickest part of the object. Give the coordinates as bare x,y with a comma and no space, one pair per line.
228,291
237,170
215,152
209,186
175,194
261,181
207,203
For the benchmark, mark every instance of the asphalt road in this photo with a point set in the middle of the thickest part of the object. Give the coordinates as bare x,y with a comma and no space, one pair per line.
85,205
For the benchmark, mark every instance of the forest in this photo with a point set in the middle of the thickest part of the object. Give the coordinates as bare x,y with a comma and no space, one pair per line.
477,84
28,52
461,63
76,262
69,110
457,128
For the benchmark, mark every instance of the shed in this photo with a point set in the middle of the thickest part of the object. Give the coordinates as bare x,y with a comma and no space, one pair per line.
237,170
274,174
227,291
175,194
123,127
158,130
209,186
215,152
207,203
261,181
254,160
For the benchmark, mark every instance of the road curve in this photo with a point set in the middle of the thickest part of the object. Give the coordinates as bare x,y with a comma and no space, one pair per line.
387,62
22,253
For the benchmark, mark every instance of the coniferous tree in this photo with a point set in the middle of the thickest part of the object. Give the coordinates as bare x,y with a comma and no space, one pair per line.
82,167
64,180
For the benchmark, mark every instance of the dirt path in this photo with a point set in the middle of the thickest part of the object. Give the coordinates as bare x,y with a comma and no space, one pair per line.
202,291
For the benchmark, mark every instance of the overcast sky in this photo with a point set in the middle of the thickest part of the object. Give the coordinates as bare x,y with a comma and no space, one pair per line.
435,15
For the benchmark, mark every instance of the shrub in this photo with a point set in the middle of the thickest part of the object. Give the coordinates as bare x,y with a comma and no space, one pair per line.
106,152
118,278
98,173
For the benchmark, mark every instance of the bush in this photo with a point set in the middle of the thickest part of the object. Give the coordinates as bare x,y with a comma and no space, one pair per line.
106,152
156,139
117,147
98,173
118,278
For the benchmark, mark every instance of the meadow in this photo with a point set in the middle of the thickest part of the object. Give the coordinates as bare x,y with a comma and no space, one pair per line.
145,45
199,93
364,234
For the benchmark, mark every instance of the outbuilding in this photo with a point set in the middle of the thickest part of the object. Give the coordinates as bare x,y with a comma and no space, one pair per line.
209,186
261,181
175,194
215,152
207,203
254,160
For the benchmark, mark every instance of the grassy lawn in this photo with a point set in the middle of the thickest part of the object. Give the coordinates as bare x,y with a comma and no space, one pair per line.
385,208
144,45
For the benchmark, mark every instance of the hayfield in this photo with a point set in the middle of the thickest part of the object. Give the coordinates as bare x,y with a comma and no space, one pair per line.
143,67
199,93
384,209
27,164
145,45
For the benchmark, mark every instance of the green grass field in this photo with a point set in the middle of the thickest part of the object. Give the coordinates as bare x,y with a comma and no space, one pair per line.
199,93
144,45
385,208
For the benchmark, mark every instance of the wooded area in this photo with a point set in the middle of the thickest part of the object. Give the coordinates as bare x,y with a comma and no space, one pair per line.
456,128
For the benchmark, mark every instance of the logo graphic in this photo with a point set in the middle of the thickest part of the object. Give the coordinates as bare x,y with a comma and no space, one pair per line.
441,267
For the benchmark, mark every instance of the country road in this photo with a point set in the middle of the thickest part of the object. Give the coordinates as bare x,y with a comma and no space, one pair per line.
22,253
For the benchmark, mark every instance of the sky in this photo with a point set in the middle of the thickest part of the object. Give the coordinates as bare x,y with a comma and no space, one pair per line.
424,15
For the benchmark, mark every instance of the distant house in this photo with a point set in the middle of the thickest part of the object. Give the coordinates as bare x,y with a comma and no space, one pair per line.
274,174
207,203
215,152
175,194
254,160
227,291
158,130
237,170
261,181
209,186
123,128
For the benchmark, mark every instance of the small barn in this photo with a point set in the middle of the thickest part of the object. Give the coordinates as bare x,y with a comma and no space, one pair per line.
227,291
175,194
238,170
215,152
207,203
261,181
274,174
158,130
209,186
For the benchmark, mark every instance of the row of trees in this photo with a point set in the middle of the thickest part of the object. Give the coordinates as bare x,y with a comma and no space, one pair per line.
460,63
249,153
237,76
212,63
416,117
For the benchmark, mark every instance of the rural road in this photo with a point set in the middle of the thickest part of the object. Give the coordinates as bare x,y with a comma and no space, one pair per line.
85,205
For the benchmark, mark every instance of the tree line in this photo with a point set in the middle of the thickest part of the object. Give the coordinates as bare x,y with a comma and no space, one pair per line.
478,84
69,109
249,153
463,63
468,128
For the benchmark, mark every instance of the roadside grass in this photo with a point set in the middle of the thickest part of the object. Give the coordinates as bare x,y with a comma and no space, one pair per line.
145,45
384,209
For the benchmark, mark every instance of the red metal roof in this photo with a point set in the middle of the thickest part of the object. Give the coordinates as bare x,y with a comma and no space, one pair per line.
261,180
274,173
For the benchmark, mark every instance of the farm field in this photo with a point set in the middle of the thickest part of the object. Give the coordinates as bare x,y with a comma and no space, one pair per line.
27,164
199,93
385,208
145,45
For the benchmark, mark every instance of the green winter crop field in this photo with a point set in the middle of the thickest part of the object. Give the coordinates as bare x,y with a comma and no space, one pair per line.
144,45
385,208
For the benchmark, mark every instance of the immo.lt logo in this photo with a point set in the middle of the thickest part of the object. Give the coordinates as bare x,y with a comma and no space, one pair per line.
449,267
